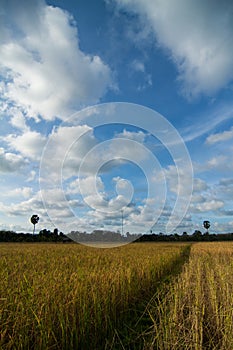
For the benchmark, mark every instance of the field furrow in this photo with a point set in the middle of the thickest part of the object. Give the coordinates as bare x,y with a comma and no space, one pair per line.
197,310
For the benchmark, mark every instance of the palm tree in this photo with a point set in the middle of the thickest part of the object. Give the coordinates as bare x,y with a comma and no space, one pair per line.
206,225
34,220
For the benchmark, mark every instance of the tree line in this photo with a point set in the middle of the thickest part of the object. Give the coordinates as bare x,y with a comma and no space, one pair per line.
197,236
101,235
109,236
43,236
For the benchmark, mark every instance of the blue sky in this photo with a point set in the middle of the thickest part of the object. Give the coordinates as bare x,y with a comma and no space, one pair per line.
116,106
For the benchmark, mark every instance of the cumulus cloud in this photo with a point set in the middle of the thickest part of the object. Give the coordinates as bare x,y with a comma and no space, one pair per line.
197,36
93,193
199,185
11,162
67,146
138,136
75,148
210,205
219,163
198,198
25,192
130,147
45,72
224,189
24,208
18,120
59,205
180,185
30,144
88,185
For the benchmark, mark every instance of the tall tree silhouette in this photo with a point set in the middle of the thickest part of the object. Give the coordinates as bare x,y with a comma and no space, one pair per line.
34,220
206,225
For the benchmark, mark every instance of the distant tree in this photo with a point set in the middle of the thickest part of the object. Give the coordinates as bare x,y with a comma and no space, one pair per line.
197,235
206,225
34,220
45,233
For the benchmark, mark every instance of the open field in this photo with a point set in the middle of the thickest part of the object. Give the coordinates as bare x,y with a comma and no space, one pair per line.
139,296
56,296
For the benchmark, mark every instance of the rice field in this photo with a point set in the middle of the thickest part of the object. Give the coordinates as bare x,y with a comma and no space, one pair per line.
139,296
70,296
196,311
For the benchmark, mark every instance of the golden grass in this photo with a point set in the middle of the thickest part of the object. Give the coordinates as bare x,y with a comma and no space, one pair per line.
197,310
55,296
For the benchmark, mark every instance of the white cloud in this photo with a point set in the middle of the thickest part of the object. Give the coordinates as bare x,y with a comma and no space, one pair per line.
224,190
88,185
45,71
18,120
124,187
147,83
25,192
25,208
196,34
138,66
222,227
217,162
130,147
138,136
203,123
73,146
210,205
145,215
180,185
67,146
31,176
11,162
220,163
199,185
198,198
220,137
59,206
30,144
94,194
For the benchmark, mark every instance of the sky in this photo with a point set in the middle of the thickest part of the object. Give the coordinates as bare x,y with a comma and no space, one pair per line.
116,109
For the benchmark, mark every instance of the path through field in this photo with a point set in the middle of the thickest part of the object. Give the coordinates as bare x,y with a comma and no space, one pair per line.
138,323
197,310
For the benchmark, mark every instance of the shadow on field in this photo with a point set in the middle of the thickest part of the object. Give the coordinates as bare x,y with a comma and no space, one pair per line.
137,324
